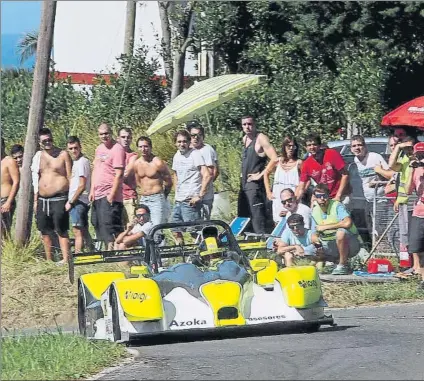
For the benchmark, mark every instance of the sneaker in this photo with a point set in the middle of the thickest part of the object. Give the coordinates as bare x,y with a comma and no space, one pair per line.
420,287
341,270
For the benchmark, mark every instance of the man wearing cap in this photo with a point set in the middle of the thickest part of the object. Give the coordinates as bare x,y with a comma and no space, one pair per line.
197,134
297,241
416,226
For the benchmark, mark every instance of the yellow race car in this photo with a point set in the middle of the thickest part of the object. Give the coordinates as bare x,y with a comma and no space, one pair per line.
215,286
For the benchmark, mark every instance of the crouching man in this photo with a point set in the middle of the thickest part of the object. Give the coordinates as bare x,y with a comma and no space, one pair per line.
136,230
335,229
297,241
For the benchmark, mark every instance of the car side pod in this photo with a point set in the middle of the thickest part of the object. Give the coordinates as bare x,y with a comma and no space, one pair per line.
134,302
301,285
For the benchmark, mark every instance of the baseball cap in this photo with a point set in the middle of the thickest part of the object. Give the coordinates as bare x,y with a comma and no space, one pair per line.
419,147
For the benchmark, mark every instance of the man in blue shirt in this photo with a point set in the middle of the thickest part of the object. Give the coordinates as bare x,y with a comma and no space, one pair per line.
297,241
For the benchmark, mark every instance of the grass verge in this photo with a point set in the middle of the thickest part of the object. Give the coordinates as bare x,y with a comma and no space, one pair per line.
56,357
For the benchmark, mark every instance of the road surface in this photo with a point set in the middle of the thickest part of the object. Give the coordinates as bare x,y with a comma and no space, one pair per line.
373,343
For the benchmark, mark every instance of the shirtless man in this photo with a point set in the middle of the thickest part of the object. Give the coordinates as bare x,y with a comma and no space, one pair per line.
51,171
10,177
154,180
257,149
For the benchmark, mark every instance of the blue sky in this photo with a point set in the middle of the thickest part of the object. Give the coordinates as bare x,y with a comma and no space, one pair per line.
17,19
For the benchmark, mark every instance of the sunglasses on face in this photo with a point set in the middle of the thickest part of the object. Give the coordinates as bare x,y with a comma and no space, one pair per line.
196,136
296,226
321,195
46,141
141,215
288,201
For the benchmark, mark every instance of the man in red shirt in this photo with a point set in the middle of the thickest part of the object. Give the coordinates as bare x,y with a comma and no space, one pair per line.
325,166
106,187
129,186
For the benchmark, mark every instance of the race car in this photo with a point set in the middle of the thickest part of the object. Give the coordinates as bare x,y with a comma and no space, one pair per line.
216,286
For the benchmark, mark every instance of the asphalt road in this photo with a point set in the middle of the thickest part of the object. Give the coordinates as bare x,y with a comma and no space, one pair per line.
374,343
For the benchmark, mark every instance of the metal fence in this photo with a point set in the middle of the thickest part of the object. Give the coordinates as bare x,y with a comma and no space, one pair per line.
377,222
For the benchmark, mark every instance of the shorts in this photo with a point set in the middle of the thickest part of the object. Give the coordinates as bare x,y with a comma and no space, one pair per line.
128,211
184,212
416,235
331,251
107,219
6,218
52,216
79,215
206,209
157,204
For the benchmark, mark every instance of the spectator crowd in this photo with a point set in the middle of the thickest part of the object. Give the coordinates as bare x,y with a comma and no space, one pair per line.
128,191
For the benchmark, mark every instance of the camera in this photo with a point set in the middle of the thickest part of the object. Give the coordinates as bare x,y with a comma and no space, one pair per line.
416,164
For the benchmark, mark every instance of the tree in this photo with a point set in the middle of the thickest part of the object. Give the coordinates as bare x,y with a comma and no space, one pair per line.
130,27
36,119
27,46
177,36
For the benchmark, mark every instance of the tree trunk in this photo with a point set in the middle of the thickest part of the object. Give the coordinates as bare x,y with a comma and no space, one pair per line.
178,76
130,27
35,119
166,39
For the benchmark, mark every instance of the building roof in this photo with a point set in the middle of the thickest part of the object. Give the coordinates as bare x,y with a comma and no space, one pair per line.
92,78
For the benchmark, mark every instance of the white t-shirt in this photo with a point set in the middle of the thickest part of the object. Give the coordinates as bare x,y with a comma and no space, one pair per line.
189,178
145,228
306,212
211,159
367,174
80,168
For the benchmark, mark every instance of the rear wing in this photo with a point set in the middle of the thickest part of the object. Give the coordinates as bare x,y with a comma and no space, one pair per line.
96,257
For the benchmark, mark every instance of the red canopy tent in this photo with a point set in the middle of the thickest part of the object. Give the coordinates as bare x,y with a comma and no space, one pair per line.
409,114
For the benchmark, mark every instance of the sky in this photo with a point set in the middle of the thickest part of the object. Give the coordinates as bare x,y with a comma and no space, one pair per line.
20,16
17,19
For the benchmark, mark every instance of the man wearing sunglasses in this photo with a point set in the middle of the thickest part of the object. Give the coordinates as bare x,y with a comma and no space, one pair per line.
335,229
51,171
292,206
136,229
197,134
298,241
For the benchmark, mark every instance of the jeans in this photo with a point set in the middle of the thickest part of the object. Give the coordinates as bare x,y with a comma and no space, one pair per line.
157,204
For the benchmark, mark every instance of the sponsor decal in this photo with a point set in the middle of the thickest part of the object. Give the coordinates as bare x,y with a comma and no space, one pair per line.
308,283
140,296
108,325
266,318
105,307
188,323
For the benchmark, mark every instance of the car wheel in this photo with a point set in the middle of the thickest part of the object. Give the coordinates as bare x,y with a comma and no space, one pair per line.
115,317
82,318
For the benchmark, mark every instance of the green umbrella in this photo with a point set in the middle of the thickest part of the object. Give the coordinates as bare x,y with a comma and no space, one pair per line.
202,97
